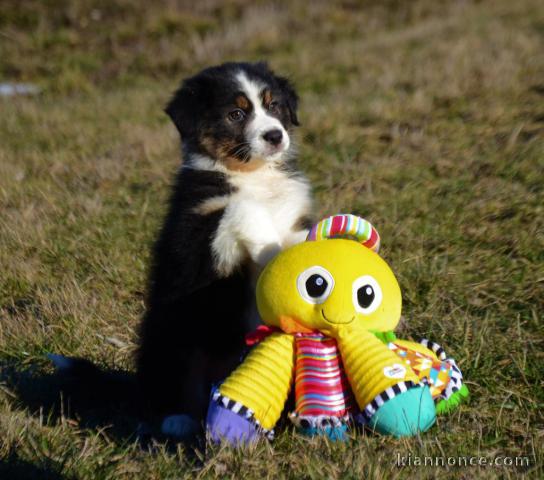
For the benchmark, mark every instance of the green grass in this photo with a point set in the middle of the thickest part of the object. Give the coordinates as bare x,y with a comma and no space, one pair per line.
425,117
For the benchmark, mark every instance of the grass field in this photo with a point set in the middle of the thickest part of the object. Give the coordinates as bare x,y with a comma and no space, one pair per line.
425,117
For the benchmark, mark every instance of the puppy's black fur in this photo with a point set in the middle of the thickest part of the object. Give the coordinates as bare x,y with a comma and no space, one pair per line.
192,334
193,327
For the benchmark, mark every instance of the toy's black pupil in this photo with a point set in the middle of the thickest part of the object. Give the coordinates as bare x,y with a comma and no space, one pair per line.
365,296
316,285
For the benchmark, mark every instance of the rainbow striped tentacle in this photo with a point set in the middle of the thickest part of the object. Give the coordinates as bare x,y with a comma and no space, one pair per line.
322,393
346,225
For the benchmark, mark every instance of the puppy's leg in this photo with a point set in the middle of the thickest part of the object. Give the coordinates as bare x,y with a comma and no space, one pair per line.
170,368
175,388
295,237
207,370
258,234
192,398
299,231
246,228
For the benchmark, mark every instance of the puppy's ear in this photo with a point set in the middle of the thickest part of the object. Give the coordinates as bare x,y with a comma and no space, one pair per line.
291,98
182,109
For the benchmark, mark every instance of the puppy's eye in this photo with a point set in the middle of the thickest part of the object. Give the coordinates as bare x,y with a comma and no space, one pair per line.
237,115
367,294
315,284
274,106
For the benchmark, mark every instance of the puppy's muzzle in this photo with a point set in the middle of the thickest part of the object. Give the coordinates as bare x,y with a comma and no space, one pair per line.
273,137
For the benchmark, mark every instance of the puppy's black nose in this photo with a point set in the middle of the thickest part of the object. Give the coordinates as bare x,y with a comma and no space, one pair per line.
273,136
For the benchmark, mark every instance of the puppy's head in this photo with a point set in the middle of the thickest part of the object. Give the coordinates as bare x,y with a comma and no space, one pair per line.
239,114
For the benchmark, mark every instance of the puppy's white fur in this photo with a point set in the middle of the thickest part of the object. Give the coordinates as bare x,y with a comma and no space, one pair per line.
260,217
261,123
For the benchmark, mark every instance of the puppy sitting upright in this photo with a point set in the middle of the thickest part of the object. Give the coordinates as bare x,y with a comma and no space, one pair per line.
237,200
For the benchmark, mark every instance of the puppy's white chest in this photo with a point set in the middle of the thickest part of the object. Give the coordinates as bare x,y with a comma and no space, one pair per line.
259,218
280,200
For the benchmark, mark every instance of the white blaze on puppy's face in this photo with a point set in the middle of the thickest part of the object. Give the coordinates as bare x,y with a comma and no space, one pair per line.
266,135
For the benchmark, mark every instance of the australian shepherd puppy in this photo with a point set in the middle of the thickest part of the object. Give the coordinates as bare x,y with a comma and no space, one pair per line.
237,200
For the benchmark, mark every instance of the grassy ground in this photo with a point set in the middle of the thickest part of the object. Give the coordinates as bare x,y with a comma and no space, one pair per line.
426,117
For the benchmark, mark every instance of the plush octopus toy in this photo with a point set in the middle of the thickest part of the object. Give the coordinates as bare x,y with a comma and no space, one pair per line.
329,307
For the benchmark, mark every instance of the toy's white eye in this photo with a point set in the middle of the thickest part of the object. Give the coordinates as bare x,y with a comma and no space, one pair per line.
367,294
315,284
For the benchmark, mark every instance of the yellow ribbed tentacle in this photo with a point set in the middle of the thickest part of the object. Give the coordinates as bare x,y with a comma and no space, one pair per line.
263,380
366,362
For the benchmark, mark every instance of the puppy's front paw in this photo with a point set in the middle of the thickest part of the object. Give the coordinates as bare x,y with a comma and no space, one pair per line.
266,253
295,238
181,427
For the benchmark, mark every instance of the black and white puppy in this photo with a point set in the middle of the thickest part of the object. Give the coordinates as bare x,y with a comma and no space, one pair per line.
237,200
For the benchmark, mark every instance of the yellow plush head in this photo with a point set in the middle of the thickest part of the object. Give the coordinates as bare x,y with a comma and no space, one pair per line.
323,284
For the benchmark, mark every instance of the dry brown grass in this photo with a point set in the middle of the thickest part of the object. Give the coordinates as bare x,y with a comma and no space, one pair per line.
425,117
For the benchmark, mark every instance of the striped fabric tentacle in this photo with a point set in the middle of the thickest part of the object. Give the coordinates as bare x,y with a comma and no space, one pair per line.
322,390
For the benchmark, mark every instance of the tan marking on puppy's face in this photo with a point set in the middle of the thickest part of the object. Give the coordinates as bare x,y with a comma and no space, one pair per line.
242,102
267,98
236,165
225,150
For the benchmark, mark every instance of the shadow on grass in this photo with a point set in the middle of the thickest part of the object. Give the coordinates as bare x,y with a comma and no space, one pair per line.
96,399
14,468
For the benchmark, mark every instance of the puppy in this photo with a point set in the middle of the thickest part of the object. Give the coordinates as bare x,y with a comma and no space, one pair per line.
237,200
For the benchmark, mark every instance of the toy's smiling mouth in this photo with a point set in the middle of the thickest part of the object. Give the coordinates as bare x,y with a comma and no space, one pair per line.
337,322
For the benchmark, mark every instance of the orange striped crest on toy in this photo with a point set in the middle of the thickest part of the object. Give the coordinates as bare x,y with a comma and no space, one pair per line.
346,226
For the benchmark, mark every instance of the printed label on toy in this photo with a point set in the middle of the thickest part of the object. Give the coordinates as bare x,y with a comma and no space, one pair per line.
395,371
